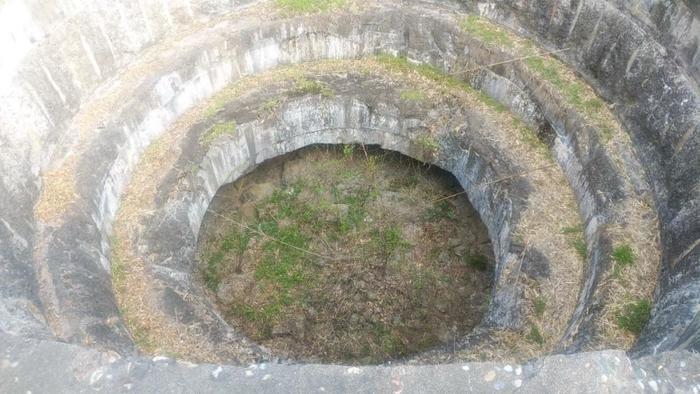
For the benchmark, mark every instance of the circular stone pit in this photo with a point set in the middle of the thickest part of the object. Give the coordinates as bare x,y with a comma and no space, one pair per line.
572,126
346,254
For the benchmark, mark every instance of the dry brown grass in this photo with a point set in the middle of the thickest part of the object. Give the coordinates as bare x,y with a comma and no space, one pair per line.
638,228
151,329
57,192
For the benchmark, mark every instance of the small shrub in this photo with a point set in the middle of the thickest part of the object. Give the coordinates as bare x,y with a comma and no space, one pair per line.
372,165
634,316
623,256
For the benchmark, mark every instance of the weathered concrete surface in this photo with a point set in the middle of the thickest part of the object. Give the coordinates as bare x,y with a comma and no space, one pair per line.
79,245
659,105
59,54
69,369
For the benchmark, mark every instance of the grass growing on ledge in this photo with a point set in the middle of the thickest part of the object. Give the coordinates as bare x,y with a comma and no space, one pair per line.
403,65
412,95
309,6
634,316
304,86
573,90
217,131
540,306
485,31
535,336
577,240
428,143
580,245
623,256
530,137
142,337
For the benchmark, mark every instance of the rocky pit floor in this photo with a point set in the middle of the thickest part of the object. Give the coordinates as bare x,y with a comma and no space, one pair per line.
346,254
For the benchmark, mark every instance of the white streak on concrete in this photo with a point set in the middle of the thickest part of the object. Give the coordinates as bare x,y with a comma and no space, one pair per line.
91,56
53,83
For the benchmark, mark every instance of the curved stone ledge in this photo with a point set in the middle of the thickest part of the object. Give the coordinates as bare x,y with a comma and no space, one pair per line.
77,369
659,107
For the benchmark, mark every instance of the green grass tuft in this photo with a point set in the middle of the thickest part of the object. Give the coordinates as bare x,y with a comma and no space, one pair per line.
412,95
576,240
572,230
309,6
536,336
428,143
235,241
634,316
305,86
485,31
572,90
623,256
271,105
402,64
348,150
540,306
439,211
389,240
217,131
581,249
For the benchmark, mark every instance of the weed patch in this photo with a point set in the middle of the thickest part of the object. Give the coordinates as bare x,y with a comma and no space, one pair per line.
412,95
305,86
309,6
535,336
540,306
623,256
485,31
634,316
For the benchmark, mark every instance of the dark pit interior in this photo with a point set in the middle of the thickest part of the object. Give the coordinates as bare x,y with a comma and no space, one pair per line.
346,253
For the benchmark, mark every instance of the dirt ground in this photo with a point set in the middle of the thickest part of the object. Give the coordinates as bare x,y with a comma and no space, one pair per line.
346,254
